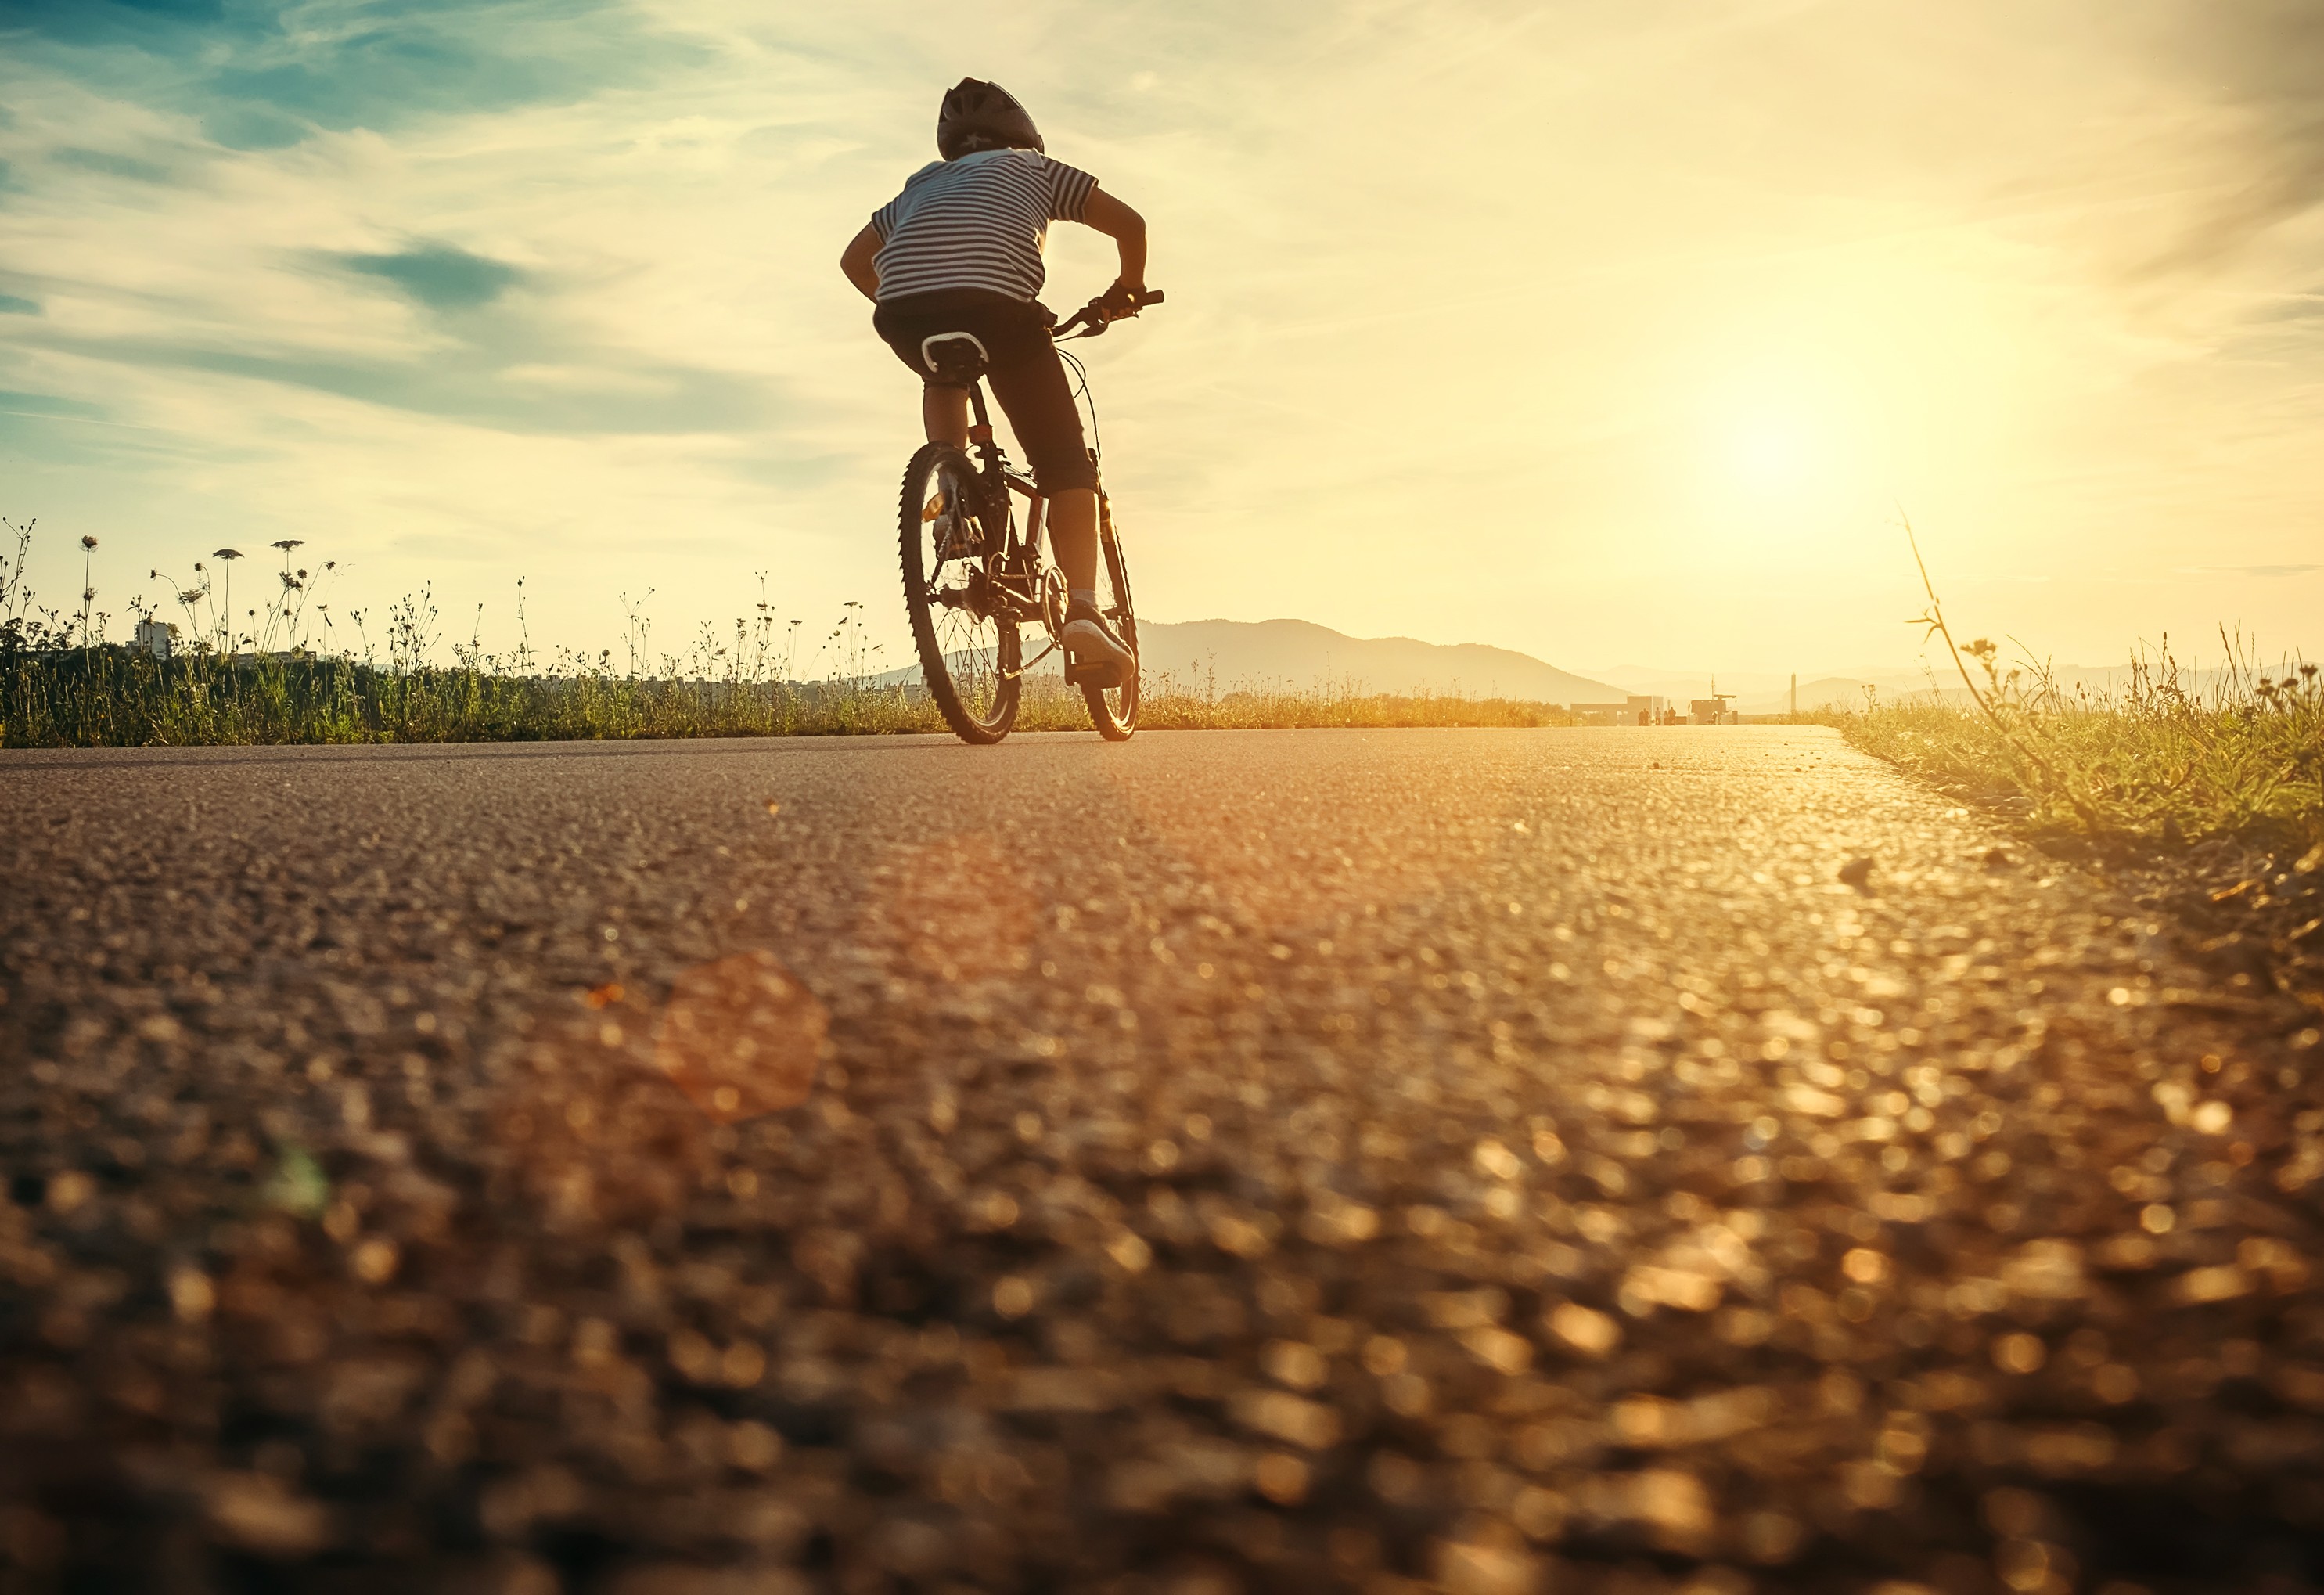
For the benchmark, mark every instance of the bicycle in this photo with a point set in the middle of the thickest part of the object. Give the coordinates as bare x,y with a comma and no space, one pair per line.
972,574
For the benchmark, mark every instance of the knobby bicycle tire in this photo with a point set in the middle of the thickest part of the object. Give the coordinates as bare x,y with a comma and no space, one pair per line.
1113,710
975,681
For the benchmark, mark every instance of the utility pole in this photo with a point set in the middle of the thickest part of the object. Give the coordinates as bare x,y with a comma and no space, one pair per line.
1795,695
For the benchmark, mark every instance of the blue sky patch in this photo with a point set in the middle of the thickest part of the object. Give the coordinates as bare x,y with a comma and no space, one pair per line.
255,83
113,165
440,276
90,21
46,404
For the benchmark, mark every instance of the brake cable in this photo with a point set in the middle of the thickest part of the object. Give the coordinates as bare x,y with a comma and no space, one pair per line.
1082,395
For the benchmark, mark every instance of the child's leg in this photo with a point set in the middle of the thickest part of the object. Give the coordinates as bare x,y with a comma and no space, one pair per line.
1073,534
944,412
1029,381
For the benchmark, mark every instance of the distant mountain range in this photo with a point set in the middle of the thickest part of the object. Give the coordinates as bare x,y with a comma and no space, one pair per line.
1232,654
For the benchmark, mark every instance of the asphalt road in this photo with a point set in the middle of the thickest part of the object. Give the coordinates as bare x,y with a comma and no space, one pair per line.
1483,1160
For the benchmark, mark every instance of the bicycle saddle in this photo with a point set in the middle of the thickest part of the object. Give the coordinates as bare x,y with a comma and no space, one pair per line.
955,357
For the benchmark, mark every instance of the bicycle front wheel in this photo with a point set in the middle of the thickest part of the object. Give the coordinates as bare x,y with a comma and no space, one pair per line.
1113,710
962,623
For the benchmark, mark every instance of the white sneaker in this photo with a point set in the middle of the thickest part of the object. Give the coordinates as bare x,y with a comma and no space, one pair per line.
1097,658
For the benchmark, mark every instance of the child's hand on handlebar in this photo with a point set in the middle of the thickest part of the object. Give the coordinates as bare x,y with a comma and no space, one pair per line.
1124,298
1115,304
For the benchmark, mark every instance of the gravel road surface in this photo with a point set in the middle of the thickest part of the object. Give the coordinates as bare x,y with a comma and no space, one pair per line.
1489,1161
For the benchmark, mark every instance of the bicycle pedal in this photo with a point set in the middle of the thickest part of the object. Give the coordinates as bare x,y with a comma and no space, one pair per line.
1106,674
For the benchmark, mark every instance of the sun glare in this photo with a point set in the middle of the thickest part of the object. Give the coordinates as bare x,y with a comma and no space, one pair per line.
1772,451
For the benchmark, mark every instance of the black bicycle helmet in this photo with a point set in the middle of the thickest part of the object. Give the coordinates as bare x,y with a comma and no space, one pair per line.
986,114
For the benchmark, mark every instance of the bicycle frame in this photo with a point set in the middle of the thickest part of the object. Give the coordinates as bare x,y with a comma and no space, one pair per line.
1018,567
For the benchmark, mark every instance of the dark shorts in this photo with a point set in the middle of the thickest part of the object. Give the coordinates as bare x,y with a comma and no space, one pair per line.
1026,376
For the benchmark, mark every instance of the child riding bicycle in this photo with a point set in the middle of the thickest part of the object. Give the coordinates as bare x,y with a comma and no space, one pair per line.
959,251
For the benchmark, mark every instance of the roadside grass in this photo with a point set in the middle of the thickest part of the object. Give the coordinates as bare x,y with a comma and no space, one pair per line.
1170,705
269,676
2229,757
113,697
110,697
2205,807
2165,764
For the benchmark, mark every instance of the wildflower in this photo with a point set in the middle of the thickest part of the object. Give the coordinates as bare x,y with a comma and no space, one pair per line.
289,543
86,541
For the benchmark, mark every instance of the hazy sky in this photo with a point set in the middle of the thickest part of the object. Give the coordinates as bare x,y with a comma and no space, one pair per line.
1614,330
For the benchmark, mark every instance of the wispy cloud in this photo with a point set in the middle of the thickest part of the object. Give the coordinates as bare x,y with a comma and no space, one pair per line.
46,404
108,165
2256,67
2265,572
439,275
481,384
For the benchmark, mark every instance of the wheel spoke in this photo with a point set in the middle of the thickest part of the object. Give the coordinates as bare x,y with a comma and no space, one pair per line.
963,628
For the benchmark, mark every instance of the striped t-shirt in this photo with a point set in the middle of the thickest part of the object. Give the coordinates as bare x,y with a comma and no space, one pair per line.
976,222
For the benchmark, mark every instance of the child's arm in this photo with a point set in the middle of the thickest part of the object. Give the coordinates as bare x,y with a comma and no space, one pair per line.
1126,229
856,261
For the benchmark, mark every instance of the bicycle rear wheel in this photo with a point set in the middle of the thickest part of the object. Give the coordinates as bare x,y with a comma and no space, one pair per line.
1113,710
966,638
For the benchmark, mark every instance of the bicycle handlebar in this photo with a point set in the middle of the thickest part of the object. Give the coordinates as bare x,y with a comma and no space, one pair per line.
1096,316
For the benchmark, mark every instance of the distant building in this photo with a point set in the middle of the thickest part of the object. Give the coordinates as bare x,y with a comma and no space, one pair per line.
1637,709
1712,711
158,637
